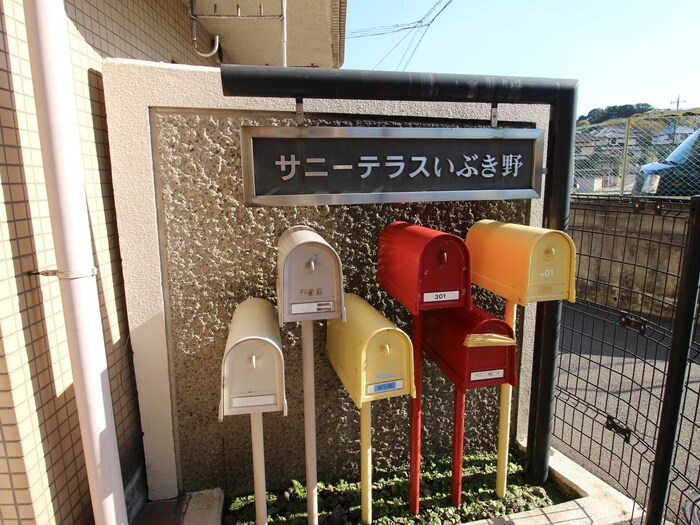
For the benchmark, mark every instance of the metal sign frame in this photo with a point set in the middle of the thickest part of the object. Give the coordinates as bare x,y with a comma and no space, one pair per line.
559,94
257,183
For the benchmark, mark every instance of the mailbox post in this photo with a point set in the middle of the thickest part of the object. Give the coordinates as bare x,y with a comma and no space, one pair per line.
474,349
252,380
423,269
309,287
522,264
374,360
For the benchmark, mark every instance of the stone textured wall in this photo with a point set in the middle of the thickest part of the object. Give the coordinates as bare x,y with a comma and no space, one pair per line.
218,252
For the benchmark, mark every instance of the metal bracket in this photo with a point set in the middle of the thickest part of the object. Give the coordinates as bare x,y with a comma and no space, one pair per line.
494,115
77,274
300,111
640,325
619,428
640,205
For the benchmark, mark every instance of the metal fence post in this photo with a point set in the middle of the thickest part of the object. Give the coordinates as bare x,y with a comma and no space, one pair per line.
558,184
625,153
684,320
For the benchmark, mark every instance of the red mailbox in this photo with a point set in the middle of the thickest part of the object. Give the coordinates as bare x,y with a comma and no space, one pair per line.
423,268
473,349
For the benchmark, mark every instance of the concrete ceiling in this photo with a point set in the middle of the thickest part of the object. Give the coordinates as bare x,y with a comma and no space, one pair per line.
250,31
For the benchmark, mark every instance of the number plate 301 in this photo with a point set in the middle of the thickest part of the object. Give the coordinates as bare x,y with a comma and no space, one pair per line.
435,297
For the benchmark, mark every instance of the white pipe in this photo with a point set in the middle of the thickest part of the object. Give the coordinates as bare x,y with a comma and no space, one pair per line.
284,33
307,355
256,434
51,67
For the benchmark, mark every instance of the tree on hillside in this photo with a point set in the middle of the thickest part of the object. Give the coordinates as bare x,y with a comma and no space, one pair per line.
598,115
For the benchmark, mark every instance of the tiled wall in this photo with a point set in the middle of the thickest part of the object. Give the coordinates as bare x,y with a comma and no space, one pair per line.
42,474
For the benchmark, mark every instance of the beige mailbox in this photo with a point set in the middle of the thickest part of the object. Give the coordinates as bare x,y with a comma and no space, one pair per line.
309,288
309,277
372,357
523,264
252,380
252,372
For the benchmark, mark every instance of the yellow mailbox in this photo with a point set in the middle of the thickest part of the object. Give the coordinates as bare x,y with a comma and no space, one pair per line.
374,360
372,357
523,264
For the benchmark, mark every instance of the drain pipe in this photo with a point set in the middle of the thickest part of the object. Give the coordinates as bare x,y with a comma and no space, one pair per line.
284,33
51,67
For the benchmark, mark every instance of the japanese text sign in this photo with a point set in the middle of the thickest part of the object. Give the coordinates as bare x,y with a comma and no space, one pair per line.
290,166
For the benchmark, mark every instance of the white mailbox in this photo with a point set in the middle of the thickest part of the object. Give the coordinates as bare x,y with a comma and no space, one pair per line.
309,277
252,372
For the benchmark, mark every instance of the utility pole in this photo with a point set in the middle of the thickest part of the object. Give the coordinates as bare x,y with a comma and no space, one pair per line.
678,101
674,139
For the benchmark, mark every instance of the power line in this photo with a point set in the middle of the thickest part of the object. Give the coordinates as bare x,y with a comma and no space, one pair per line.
396,28
423,35
412,29
391,50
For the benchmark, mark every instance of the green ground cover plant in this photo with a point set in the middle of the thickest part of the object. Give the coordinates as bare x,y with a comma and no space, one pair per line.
339,500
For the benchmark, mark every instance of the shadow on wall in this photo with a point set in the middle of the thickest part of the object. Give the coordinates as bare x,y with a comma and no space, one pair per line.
117,346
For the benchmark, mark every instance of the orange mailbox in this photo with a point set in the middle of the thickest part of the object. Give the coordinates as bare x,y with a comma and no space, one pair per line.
472,347
523,264
423,268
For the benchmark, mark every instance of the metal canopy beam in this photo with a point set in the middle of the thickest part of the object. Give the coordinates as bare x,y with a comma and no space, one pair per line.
559,94
299,82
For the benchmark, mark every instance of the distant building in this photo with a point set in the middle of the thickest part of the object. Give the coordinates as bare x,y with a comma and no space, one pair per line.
672,135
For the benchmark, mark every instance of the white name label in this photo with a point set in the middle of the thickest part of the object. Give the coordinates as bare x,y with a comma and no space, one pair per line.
487,374
434,297
252,401
312,308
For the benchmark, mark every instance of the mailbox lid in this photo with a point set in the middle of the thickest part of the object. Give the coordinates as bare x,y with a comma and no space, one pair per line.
252,370
523,264
552,268
388,365
309,277
357,350
251,376
423,268
445,276
472,347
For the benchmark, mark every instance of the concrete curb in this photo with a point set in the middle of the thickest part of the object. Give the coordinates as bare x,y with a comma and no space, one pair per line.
204,508
595,501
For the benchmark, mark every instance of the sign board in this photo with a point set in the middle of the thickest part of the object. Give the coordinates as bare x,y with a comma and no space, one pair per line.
293,166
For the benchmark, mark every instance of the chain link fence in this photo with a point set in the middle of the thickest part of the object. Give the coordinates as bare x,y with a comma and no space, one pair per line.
645,155
615,349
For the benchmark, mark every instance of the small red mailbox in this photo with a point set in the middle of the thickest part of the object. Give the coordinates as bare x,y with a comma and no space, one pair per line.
423,268
472,347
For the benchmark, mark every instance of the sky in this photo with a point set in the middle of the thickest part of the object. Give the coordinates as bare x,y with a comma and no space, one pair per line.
620,51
